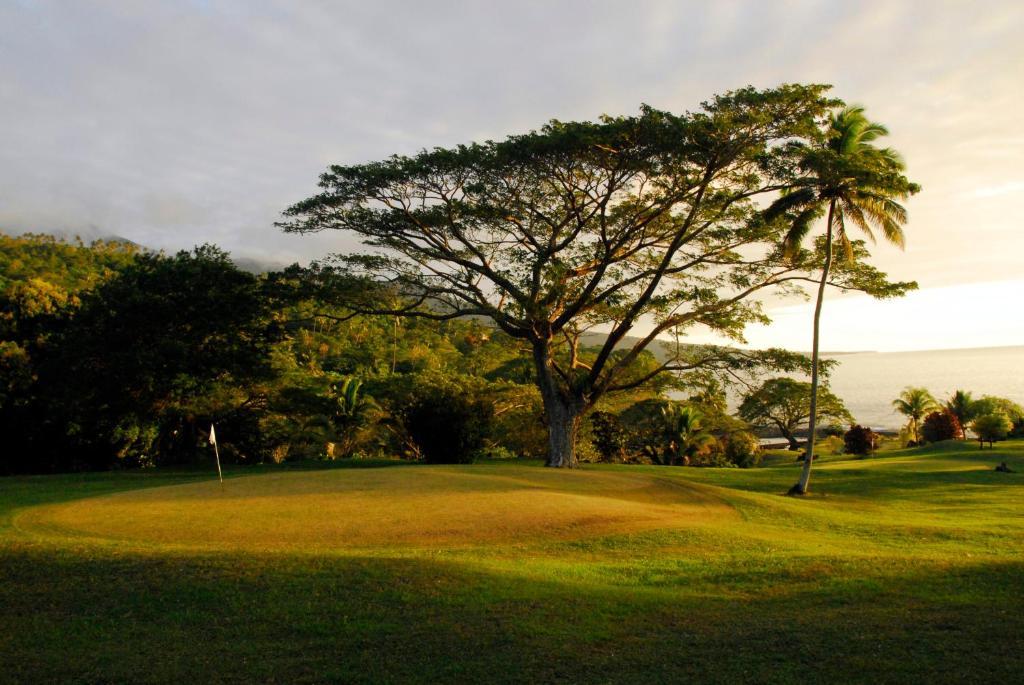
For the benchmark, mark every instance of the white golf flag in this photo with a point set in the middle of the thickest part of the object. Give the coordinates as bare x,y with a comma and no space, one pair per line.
216,452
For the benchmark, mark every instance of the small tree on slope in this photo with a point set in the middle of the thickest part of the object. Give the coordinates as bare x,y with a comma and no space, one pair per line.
785,403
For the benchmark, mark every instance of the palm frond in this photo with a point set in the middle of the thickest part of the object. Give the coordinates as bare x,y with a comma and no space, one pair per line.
788,202
871,131
856,215
800,228
840,234
893,158
883,212
846,245
865,181
881,205
893,232
845,127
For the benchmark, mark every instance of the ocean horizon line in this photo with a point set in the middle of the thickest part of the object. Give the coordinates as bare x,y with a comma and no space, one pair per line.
836,353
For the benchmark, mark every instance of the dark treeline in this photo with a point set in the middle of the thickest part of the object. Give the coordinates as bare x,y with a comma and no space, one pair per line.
116,357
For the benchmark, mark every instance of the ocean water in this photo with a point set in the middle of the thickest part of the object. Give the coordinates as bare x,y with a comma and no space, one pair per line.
868,382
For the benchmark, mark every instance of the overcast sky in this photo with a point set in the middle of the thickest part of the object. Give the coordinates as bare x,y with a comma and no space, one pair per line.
180,122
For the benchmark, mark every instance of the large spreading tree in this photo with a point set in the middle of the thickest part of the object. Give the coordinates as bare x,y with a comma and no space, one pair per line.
648,225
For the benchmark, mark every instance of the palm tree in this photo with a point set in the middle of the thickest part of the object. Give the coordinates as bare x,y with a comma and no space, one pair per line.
687,434
682,437
350,403
353,409
961,405
914,403
850,180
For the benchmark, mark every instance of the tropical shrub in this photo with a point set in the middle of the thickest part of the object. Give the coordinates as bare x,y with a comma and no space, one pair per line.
1001,405
353,415
608,436
830,445
496,452
713,454
833,430
941,425
518,425
742,449
674,436
998,405
861,440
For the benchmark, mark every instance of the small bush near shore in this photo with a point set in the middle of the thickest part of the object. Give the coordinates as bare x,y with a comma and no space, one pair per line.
861,440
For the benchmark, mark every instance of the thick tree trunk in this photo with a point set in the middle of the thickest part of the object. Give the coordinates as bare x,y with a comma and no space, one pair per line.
788,435
562,411
563,427
803,484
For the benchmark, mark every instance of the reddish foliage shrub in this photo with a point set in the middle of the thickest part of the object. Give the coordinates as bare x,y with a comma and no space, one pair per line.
861,440
941,425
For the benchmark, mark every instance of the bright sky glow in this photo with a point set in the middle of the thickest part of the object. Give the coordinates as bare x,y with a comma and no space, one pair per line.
179,122
948,317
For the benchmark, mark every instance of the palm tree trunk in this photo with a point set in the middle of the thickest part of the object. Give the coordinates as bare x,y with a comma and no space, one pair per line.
805,474
394,349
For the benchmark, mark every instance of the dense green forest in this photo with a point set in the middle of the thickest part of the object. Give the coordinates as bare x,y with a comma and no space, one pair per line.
115,356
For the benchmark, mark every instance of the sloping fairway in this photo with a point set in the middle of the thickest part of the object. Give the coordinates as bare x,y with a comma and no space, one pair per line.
904,568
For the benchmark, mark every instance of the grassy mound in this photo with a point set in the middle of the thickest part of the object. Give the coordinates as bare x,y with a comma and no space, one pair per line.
422,507
903,568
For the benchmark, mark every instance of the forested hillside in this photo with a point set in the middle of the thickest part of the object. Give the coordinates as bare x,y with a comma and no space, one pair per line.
116,357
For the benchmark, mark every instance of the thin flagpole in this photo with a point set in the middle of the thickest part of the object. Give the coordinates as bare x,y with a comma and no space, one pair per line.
216,452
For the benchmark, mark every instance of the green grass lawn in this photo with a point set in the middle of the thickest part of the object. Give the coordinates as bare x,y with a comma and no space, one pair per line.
902,568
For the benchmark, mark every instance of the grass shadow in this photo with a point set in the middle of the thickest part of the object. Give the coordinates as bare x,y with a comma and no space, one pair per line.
226,618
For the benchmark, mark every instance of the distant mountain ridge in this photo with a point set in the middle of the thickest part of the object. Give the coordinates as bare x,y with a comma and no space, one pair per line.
251,265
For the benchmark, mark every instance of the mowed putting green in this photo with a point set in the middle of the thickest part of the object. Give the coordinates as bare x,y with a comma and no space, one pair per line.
370,508
907,567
